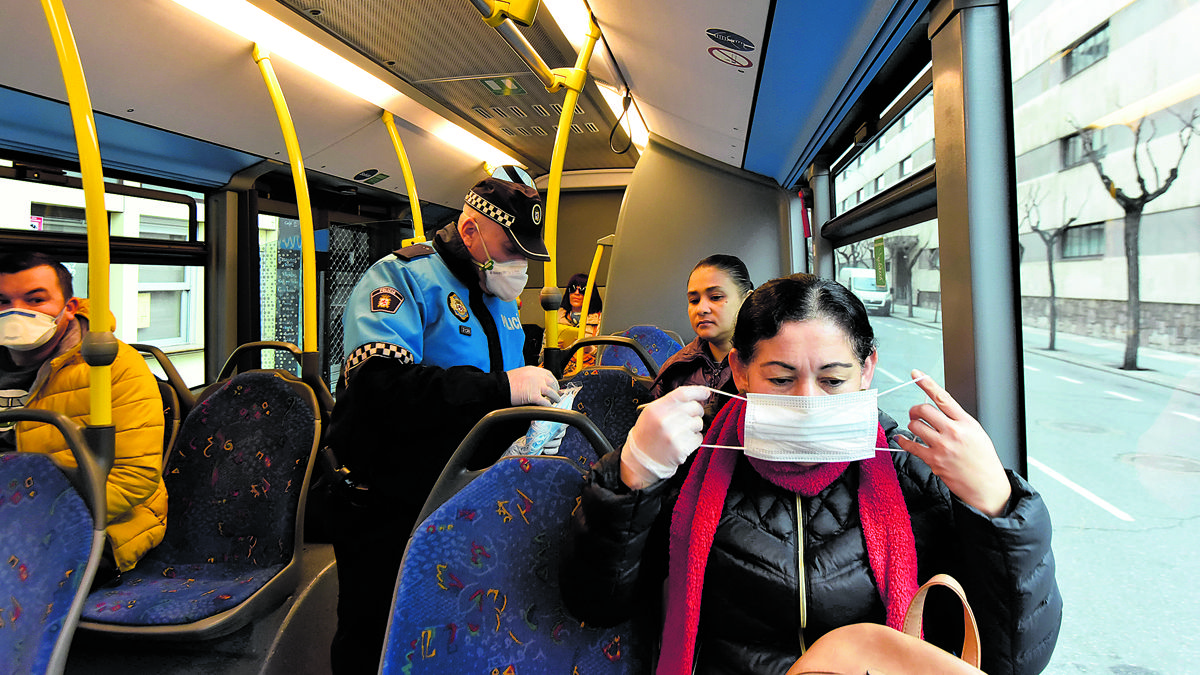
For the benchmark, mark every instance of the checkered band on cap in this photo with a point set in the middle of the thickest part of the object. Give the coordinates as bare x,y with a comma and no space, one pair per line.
490,210
384,349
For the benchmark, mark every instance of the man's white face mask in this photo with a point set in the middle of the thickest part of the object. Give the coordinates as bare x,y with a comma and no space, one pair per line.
505,280
811,429
24,330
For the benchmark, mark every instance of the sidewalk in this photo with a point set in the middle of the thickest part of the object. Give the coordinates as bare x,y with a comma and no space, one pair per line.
1164,368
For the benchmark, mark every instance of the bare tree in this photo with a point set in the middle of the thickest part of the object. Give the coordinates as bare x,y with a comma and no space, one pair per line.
1134,204
906,251
858,254
1032,217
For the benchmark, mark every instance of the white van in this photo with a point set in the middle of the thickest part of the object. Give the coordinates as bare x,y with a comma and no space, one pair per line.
861,282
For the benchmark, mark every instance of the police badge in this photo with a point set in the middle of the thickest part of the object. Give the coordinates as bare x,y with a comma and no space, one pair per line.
457,307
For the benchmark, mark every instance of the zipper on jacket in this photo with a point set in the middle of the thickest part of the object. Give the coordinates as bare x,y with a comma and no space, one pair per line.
800,571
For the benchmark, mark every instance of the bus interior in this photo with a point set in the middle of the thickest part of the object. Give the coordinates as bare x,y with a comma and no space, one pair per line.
798,136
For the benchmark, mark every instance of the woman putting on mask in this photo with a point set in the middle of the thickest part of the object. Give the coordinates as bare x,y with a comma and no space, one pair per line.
764,547
716,288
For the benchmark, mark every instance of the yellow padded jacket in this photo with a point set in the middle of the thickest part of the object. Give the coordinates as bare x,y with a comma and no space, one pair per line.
137,497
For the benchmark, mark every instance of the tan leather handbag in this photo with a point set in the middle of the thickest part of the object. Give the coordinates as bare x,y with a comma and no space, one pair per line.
874,649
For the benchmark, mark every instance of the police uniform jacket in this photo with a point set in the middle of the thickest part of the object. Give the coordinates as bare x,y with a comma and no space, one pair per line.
616,562
426,355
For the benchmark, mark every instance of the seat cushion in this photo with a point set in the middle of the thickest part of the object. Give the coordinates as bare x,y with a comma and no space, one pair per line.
159,593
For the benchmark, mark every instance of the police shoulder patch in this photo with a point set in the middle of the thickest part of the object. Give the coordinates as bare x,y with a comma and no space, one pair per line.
386,299
457,307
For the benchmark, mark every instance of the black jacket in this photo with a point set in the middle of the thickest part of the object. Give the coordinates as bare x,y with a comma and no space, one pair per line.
616,556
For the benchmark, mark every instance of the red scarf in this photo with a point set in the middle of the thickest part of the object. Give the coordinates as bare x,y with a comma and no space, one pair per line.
887,529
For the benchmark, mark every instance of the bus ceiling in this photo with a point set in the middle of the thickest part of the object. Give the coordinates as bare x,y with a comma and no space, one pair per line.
183,102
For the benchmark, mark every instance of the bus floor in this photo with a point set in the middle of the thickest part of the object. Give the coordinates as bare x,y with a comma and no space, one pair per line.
293,639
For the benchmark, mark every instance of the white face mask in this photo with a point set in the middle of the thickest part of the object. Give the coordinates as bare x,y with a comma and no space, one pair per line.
505,280
24,330
811,429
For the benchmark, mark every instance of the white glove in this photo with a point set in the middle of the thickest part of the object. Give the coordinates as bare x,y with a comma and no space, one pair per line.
531,385
666,433
551,446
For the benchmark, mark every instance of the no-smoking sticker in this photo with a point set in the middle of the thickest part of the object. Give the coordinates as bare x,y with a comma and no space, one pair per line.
730,57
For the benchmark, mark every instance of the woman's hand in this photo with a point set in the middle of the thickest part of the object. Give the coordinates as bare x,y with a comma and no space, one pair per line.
666,433
957,449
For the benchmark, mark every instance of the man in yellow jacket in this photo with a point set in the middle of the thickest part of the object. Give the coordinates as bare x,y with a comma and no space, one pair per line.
41,328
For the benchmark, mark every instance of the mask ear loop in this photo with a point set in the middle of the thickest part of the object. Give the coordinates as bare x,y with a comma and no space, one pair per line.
725,447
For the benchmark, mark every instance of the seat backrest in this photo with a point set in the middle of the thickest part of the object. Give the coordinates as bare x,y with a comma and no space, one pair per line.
610,398
478,590
51,539
45,538
239,471
658,343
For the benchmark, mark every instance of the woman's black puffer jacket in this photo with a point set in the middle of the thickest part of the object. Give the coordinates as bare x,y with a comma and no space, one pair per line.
615,565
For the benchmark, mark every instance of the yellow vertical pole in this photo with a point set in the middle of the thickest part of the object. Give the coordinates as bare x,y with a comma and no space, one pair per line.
410,183
574,80
308,256
84,122
587,303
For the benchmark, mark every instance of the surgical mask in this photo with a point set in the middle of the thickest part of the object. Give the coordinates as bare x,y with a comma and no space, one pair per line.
811,429
24,330
505,280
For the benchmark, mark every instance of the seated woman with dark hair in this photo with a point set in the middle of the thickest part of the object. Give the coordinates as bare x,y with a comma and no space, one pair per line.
716,288
788,523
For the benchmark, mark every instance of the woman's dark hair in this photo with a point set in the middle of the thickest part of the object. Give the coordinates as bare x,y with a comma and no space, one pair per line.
580,281
800,297
11,263
731,265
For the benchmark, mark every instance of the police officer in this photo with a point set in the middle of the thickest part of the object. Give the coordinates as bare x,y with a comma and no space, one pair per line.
433,343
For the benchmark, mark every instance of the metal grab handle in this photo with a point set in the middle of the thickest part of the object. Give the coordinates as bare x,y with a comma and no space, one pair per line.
618,341
455,475
231,362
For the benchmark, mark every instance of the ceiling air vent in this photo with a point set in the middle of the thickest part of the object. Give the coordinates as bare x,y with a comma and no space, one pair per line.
557,108
523,131
541,110
499,112
538,130
576,129
508,131
592,128
516,111
482,113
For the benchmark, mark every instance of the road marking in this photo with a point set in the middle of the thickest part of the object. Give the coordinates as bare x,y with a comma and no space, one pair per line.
1036,370
1127,398
1081,491
1185,415
1067,379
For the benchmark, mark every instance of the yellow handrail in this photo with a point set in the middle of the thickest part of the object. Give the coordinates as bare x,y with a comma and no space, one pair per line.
410,184
100,322
573,79
587,297
308,257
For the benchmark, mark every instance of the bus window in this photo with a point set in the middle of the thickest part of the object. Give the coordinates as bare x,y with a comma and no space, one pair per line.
1108,91
904,147
157,304
906,310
